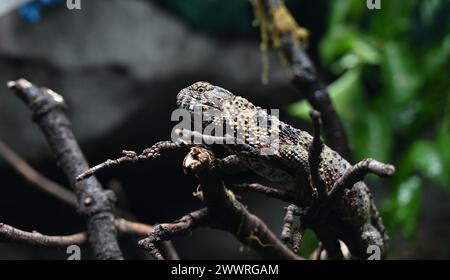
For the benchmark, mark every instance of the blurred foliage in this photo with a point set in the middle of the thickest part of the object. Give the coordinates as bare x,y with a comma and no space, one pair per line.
393,93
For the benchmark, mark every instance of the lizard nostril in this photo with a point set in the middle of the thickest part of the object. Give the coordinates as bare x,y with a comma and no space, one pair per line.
180,95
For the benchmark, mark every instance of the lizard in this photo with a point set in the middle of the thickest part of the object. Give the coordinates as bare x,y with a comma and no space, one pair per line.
329,194
285,161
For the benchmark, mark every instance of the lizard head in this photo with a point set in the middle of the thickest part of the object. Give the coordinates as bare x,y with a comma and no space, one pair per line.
237,116
210,98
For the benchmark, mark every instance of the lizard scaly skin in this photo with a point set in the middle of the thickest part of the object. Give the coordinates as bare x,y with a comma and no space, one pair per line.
282,159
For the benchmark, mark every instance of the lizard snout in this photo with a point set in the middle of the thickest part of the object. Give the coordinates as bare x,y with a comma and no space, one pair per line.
180,97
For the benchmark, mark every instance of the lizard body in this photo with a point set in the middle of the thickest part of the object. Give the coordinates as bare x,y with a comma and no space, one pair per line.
281,157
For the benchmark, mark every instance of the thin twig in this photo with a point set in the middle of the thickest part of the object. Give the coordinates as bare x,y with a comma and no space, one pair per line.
180,227
132,228
95,204
131,156
267,191
35,178
9,233
124,227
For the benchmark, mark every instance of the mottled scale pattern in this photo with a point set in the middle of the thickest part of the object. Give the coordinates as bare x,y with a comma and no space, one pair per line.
293,144
259,129
287,166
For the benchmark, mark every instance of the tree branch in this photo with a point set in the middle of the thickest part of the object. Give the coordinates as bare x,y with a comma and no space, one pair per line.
95,204
180,227
287,37
229,214
10,233
59,192
124,227
267,191
131,156
35,178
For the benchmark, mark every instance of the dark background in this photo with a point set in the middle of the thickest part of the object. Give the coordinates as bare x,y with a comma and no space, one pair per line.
119,65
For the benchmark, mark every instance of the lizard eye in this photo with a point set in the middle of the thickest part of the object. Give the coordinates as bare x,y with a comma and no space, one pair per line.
201,90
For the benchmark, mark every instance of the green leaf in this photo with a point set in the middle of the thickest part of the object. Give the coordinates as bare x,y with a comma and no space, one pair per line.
436,58
407,202
361,52
347,96
393,20
429,161
444,150
428,10
345,10
336,42
300,110
406,116
372,137
309,243
443,145
366,51
400,73
346,62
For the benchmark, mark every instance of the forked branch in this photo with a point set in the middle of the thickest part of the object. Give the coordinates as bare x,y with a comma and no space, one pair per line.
165,232
95,203
228,214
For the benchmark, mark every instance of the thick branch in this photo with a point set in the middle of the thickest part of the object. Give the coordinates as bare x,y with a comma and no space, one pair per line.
305,76
95,203
229,214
